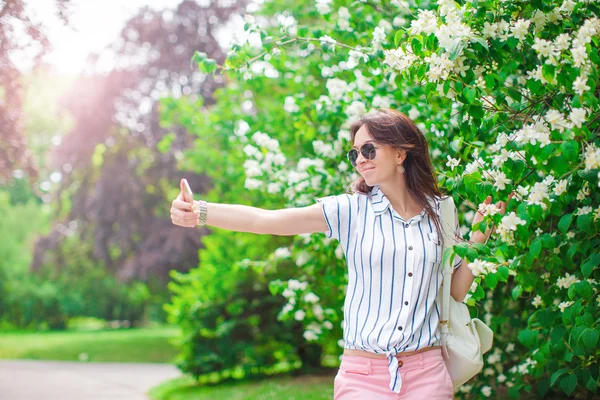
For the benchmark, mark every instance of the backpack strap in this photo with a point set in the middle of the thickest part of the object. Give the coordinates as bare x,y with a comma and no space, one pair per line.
449,239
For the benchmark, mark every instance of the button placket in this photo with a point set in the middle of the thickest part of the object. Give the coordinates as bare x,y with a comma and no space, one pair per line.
410,255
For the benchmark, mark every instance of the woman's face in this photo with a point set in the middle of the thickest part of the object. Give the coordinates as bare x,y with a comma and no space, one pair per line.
383,166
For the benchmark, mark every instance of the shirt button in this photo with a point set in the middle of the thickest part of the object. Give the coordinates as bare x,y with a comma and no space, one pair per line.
410,247
399,328
406,225
410,274
406,303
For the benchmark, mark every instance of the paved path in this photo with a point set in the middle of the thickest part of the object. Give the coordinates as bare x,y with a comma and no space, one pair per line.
64,380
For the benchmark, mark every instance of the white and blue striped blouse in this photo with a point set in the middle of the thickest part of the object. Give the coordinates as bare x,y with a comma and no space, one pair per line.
394,275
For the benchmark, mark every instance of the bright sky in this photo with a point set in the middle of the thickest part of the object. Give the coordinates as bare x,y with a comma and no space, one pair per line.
94,24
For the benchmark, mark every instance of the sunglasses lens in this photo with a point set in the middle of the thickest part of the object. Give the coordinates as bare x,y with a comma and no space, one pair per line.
352,156
368,151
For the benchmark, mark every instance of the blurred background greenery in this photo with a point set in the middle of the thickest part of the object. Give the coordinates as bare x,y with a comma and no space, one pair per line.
92,153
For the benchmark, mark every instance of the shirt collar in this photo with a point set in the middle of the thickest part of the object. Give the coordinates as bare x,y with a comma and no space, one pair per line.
381,203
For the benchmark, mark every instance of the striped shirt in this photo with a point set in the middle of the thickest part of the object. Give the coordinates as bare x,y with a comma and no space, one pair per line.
394,275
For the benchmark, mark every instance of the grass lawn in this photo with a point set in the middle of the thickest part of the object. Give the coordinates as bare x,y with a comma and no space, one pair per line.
310,387
126,345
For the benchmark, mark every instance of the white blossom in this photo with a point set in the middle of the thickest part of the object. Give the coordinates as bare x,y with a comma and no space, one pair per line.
592,157
355,110
566,281
486,391
344,19
311,297
482,267
354,57
577,116
519,29
324,6
310,335
290,105
564,305
452,162
337,88
580,85
299,315
425,23
282,252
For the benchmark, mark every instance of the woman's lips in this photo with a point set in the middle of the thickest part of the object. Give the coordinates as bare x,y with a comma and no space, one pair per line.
368,169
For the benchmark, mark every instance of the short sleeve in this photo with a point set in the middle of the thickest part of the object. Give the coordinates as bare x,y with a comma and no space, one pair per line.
338,212
457,260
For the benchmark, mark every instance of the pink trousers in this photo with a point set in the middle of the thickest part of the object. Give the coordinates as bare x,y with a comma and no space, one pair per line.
424,376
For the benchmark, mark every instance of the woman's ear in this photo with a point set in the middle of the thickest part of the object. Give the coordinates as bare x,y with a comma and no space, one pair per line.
400,156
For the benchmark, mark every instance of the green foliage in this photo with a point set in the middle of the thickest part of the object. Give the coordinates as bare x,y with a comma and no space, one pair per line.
80,286
518,114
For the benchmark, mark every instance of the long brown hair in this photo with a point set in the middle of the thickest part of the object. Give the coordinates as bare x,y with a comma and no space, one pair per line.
393,128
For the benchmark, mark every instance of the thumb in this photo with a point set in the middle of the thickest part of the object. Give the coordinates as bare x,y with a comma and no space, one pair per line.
181,195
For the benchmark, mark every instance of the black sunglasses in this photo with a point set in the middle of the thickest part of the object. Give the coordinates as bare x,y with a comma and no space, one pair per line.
368,150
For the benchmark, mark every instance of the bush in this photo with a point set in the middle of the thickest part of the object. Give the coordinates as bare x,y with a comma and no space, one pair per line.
507,93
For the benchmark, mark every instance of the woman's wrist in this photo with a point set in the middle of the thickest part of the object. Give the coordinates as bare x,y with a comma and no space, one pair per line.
202,207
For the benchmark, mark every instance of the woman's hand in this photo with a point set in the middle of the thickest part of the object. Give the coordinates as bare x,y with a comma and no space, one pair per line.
478,236
182,213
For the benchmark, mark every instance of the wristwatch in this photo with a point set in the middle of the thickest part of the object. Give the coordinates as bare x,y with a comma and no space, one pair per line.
203,207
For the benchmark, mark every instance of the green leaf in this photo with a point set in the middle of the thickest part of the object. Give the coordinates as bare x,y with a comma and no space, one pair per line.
479,293
568,384
546,317
398,37
564,222
584,222
536,247
482,42
557,374
208,66
535,212
584,290
570,149
516,292
199,57
590,338
456,49
559,164
589,175
558,333
470,94
476,112
588,266
512,42
503,273
591,384
548,72
527,337
491,280
461,249
416,46
534,86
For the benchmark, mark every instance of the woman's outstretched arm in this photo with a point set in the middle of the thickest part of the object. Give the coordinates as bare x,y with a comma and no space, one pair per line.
283,222
241,218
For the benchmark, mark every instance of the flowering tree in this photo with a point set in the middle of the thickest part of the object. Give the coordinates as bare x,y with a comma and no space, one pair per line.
506,92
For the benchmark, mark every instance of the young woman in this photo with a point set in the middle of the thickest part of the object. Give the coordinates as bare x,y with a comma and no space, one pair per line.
389,229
